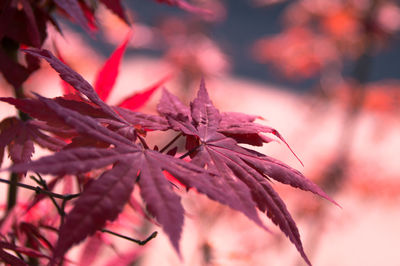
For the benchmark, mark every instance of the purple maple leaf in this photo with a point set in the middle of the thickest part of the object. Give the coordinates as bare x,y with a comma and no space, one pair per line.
156,191
219,168
102,201
248,171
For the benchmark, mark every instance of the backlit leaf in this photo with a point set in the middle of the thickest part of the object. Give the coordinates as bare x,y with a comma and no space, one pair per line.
139,99
108,74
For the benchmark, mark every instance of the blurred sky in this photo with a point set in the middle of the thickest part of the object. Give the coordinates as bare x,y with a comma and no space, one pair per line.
244,24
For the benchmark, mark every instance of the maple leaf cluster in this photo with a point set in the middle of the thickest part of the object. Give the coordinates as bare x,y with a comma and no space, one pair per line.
23,23
29,21
86,134
105,146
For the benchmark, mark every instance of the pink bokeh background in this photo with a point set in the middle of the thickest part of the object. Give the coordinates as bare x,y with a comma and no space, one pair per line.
365,231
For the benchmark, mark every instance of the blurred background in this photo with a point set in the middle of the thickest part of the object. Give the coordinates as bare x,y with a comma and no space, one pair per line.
324,73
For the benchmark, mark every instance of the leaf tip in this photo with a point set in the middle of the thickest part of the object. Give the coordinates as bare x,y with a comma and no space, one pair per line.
276,133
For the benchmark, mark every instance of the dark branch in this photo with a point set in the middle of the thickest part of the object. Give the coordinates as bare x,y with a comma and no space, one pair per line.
143,142
189,152
139,242
170,143
39,190
43,183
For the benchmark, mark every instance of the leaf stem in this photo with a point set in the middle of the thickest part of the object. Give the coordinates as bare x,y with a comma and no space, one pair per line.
139,242
143,142
170,143
189,152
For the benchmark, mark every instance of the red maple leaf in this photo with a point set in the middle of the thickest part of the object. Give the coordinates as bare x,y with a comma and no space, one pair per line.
219,167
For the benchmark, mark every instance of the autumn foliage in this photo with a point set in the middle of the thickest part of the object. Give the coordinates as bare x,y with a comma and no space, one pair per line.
104,148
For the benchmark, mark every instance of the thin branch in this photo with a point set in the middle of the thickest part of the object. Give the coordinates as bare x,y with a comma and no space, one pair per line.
62,213
37,180
170,143
143,142
43,183
139,242
39,190
12,191
189,152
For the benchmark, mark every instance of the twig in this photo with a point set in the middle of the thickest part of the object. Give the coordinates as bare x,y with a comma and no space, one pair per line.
143,142
189,152
43,183
12,191
139,242
39,190
170,143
